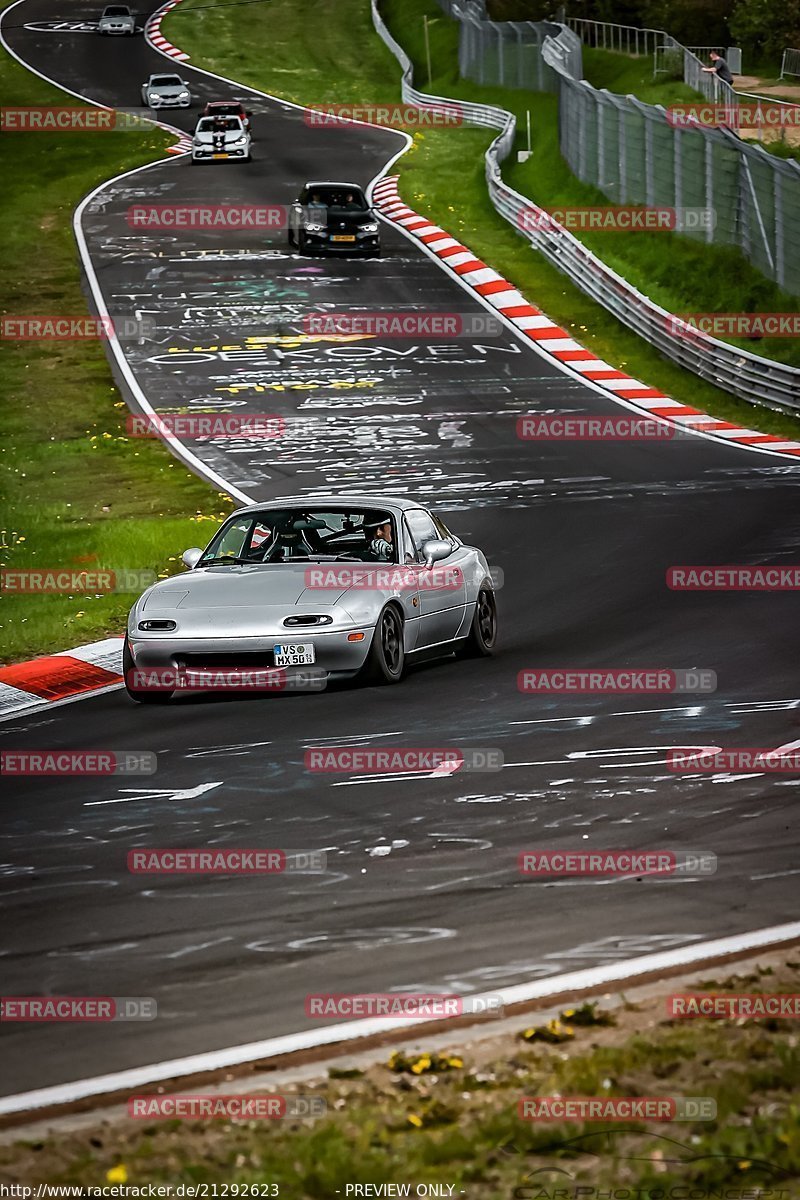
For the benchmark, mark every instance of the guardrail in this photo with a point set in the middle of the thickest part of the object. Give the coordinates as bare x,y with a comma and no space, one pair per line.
749,376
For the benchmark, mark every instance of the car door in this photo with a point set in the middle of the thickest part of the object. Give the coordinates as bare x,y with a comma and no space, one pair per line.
441,608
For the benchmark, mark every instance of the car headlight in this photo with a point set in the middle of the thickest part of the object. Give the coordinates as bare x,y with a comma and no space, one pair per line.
183,96
240,141
370,227
313,227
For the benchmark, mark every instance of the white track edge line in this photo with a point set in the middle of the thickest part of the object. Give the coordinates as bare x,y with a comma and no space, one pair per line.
215,1060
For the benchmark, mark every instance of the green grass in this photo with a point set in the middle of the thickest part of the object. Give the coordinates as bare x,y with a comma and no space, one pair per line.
443,176
77,493
452,1119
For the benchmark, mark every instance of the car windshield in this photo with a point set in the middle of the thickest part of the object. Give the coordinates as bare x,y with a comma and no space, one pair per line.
351,198
223,110
218,124
274,536
117,10
166,81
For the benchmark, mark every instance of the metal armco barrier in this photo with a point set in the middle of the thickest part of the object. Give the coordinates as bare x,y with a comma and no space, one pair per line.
759,380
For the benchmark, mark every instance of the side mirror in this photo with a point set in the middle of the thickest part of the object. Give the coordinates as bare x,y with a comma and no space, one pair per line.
435,550
190,558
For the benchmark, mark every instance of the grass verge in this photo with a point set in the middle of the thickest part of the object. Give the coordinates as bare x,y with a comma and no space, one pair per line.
444,177
451,1117
77,494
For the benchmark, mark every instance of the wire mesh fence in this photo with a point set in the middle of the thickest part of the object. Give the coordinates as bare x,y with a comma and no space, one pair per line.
618,142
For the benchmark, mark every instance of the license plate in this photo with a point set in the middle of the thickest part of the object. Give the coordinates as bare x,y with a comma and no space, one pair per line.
220,156
294,654
343,237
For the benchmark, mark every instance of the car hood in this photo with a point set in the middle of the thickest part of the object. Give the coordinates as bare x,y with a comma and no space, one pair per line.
223,138
240,587
341,221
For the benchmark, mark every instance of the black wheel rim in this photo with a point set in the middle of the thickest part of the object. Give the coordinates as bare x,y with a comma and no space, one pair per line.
486,622
390,642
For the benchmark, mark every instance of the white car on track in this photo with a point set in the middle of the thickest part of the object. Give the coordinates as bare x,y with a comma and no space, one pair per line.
117,19
221,137
166,91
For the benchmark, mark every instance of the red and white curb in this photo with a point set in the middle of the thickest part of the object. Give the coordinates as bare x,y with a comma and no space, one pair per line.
551,338
153,34
41,681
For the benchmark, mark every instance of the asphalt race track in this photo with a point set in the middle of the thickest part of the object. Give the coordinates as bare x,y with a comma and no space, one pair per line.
422,890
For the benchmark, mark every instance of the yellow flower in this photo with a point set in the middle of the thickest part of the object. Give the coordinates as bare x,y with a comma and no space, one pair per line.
744,1164
117,1174
455,1062
414,1120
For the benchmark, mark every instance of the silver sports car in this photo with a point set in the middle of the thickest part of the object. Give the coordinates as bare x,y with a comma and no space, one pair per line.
334,587
166,91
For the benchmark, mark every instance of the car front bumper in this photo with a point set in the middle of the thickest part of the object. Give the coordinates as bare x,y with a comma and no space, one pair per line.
364,243
158,102
206,154
334,653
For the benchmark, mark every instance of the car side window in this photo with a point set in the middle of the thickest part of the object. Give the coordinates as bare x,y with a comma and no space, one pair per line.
422,530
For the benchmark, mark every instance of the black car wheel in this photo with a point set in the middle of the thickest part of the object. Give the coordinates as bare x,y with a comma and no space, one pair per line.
140,695
482,638
387,656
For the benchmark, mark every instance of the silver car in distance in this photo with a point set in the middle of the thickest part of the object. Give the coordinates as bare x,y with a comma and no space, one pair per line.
334,586
117,20
166,91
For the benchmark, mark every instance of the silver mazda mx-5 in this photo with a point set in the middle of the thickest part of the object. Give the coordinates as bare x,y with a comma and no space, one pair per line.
330,587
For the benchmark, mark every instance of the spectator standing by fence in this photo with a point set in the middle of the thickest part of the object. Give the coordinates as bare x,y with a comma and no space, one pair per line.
720,68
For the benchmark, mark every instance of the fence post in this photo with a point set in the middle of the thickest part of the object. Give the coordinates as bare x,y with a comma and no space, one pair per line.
709,188
649,165
623,158
677,166
780,247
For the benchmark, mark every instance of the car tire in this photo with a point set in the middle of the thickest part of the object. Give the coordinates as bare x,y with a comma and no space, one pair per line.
140,695
387,659
482,637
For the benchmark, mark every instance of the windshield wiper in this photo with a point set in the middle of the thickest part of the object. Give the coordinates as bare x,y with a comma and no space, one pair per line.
222,559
